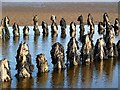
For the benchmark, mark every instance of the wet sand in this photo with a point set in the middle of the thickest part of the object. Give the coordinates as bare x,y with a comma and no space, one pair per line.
22,13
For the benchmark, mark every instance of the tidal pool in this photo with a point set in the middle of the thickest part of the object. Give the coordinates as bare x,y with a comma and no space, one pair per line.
103,74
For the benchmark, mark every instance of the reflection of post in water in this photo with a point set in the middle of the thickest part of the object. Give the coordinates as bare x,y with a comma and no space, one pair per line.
54,37
0,48
36,39
99,67
6,39
42,80
45,37
16,39
57,79
73,76
5,45
109,67
5,85
25,83
63,35
86,75
26,37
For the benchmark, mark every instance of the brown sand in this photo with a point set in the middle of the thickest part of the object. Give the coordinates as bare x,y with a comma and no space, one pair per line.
23,14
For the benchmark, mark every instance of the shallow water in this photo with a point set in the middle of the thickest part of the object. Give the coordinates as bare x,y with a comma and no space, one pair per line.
102,74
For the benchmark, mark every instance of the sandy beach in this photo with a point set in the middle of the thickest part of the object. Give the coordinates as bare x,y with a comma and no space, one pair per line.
101,74
22,13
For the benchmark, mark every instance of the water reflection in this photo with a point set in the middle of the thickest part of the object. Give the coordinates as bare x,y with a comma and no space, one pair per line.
25,83
99,67
5,46
57,79
45,37
86,75
63,36
36,39
6,84
109,67
118,70
16,39
73,76
42,80
105,72
54,36
0,48
26,38
105,69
